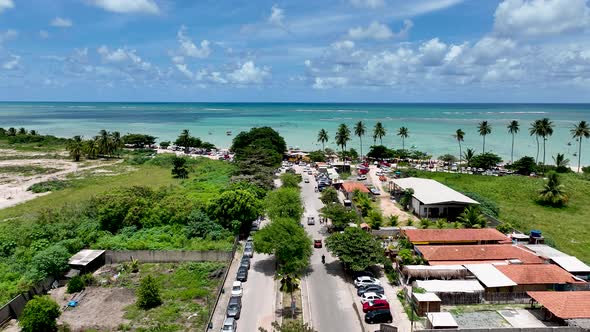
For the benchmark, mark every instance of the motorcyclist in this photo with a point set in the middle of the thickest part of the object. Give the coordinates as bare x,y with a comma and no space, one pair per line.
323,259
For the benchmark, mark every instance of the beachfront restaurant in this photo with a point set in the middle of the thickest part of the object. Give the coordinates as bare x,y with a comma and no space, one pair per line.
431,199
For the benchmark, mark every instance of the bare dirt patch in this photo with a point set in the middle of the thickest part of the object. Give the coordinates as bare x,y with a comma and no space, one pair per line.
99,308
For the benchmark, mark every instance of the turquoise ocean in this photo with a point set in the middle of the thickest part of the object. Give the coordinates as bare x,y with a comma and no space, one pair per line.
431,126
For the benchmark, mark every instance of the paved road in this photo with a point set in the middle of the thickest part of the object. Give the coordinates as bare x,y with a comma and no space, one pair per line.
328,297
259,299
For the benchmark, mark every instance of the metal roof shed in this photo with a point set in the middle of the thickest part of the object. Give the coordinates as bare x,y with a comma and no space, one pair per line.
87,260
441,320
489,276
571,264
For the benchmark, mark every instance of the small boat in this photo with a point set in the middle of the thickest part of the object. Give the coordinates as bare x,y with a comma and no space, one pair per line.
228,133
210,132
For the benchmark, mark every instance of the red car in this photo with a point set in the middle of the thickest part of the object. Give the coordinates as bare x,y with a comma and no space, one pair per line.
363,171
317,243
375,305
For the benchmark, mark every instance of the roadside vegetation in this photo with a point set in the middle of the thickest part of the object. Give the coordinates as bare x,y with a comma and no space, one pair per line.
517,200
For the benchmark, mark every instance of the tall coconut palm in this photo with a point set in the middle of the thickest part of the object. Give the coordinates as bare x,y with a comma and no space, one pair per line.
184,140
76,147
342,136
116,142
546,131
403,133
104,142
91,149
323,138
560,161
513,128
359,130
379,131
484,129
459,136
535,129
33,132
11,131
579,132
22,131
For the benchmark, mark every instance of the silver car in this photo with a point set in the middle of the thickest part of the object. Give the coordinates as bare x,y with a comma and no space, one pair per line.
229,325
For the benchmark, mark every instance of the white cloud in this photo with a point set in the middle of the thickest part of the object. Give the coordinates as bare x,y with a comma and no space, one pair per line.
118,55
433,52
248,73
188,48
488,49
536,18
61,22
128,6
7,35
368,3
343,45
379,31
6,4
183,68
43,34
12,63
329,82
375,30
277,15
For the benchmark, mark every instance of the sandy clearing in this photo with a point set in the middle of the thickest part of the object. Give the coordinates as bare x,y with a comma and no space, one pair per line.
13,187
99,308
388,207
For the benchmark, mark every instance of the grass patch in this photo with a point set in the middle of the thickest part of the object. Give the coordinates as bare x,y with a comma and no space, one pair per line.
32,156
28,170
187,290
51,185
461,309
568,228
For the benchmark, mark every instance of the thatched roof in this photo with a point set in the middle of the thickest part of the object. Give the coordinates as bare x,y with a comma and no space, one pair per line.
425,272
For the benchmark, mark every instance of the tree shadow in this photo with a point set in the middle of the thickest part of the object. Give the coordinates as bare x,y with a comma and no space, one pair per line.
266,266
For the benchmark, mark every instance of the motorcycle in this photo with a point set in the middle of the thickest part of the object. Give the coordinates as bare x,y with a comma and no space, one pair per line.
323,259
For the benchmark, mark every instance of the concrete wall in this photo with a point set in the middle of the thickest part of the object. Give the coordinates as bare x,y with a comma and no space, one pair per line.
513,329
5,314
168,256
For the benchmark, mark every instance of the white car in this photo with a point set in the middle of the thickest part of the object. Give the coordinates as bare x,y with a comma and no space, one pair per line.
370,296
236,289
364,280
361,177
306,180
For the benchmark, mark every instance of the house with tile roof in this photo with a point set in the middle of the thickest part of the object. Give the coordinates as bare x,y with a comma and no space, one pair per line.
454,236
477,254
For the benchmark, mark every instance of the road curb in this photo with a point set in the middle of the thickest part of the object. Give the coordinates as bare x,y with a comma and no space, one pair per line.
278,303
352,291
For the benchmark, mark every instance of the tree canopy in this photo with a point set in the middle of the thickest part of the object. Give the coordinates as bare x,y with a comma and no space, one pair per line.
40,315
284,203
235,209
339,215
138,140
485,160
356,248
264,138
379,152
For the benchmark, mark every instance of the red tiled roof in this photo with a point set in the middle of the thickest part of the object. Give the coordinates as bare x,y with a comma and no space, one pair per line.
565,305
537,274
352,186
490,252
454,235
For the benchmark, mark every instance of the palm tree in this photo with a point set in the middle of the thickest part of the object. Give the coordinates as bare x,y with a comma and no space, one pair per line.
76,147
403,133
546,130
33,133
11,131
91,149
553,192
468,156
103,141
535,129
323,138
560,161
22,131
2,131
580,131
342,136
184,140
513,128
359,130
116,142
289,284
484,129
459,136
379,131
472,218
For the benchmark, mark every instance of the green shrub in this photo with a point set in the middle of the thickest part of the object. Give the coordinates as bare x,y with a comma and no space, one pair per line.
486,206
40,315
76,285
390,272
505,228
50,262
51,185
148,294
586,169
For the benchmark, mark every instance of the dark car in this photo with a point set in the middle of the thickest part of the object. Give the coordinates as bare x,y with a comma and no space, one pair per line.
245,262
242,274
234,308
378,316
370,288
317,243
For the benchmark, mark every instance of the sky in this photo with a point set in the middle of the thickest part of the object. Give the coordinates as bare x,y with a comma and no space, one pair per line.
295,51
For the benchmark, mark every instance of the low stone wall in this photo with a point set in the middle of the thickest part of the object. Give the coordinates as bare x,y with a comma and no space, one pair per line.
168,256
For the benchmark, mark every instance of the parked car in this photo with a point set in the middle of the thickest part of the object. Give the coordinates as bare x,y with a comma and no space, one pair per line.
370,288
249,252
362,274
306,180
245,262
242,274
370,296
375,191
236,289
229,325
311,220
375,305
317,243
365,280
234,308
361,177
378,316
